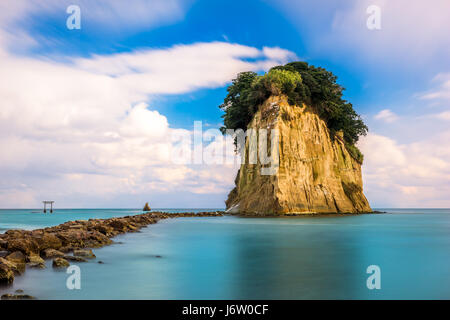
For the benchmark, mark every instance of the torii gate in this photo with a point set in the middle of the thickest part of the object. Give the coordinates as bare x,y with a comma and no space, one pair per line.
51,206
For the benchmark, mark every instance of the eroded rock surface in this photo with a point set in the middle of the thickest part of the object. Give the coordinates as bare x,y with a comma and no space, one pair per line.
86,253
9,296
60,263
316,172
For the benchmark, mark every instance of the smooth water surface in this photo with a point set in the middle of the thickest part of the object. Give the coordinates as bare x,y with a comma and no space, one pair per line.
255,258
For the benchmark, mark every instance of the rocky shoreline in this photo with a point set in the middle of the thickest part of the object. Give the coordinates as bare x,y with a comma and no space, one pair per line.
70,241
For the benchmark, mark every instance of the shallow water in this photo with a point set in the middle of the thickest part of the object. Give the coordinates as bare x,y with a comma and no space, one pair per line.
255,258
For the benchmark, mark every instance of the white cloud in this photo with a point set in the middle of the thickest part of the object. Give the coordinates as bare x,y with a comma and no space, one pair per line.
181,68
141,122
411,167
132,14
118,16
442,116
442,91
279,54
411,31
408,30
88,129
407,175
386,115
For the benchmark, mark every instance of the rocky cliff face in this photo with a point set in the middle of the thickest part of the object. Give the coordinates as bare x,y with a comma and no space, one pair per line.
316,173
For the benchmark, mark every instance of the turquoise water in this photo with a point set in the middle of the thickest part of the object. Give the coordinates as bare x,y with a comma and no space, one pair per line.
255,258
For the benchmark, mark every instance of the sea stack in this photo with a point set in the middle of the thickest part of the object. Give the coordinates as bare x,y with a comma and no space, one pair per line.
316,174
146,207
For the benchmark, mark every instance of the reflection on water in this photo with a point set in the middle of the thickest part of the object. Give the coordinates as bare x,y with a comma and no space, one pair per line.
265,258
298,261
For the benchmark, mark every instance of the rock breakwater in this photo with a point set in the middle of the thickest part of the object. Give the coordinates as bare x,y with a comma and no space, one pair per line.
23,248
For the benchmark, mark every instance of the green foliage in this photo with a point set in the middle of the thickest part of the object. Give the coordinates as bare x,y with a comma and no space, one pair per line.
301,83
239,104
355,153
277,82
351,189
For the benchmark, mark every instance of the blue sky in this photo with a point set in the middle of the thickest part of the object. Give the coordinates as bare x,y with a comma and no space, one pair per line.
72,97
370,81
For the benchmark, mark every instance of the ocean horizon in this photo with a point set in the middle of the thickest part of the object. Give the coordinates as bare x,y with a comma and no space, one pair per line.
231,257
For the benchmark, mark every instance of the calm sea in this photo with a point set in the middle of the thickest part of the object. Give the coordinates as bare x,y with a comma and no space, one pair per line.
254,258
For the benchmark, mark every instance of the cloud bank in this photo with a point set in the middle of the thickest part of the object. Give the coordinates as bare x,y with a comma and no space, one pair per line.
87,129
411,167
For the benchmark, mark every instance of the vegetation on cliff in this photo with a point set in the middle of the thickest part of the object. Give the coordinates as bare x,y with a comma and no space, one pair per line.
26,248
301,83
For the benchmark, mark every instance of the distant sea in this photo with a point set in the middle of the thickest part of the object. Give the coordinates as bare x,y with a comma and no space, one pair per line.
254,258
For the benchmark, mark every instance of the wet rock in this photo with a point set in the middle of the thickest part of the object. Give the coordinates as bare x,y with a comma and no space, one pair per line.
52,253
17,297
100,262
118,225
3,253
17,268
106,230
132,228
22,246
76,226
25,245
35,261
60,263
75,258
86,253
97,239
73,237
16,233
66,249
19,291
17,257
48,241
6,274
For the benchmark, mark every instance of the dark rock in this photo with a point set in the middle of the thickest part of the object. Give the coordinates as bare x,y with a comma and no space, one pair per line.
17,257
74,258
6,274
3,244
52,253
35,261
146,207
118,225
35,265
106,230
66,249
48,241
86,253
17,267
60,263
24,245
21,246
